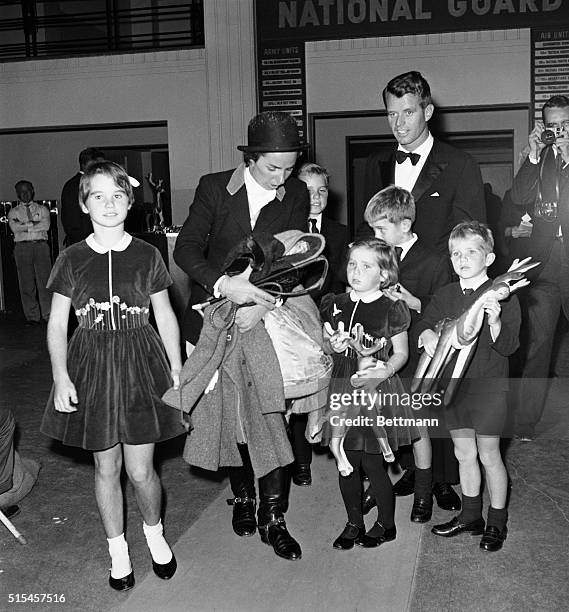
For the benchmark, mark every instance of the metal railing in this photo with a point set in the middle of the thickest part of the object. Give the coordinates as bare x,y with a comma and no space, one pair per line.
60,28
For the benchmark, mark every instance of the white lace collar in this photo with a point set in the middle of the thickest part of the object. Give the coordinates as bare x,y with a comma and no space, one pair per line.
121,245
368,298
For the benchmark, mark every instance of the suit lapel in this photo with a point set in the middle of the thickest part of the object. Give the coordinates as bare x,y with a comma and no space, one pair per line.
270,214
387,169
432,169
239,212
412,258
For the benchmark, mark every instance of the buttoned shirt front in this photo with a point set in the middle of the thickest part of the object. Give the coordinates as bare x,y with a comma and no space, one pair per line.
29,222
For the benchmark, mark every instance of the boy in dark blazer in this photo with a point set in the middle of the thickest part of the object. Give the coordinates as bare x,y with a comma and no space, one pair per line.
336,235
258,196
444,181
431,466
477,415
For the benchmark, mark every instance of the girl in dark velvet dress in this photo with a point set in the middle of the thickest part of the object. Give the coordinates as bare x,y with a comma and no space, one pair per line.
366,312
108,383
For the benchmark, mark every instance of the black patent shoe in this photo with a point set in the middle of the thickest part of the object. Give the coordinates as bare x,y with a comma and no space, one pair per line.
122,584
406,484
422,510
456,526
301,475
446,498
165,570
369,541
493,538
368,502
244,522
349,536
276,535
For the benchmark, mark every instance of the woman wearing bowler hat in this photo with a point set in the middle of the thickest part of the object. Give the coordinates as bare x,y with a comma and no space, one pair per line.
259,196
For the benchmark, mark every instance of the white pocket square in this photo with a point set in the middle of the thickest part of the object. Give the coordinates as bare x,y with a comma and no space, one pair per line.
435,195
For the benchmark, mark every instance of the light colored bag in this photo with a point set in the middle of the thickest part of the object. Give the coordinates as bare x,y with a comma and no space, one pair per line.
296,333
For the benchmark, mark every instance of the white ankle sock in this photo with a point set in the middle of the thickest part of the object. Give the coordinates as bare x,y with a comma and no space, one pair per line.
118,549
158,546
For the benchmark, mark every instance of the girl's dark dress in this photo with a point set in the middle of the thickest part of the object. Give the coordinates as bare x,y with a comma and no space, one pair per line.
115,358
380,318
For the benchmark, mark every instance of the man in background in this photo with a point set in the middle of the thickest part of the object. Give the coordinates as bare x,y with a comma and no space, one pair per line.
29,221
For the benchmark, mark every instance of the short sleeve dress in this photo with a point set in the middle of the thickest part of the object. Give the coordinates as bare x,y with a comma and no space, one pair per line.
115,358
380,319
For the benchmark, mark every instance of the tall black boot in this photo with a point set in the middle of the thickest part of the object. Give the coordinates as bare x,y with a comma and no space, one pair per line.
302,451
244,503
272,527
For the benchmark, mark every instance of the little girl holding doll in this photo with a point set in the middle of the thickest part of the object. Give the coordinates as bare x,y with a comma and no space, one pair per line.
366,331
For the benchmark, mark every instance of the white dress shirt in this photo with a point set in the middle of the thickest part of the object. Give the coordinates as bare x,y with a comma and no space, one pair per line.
257,196
406,174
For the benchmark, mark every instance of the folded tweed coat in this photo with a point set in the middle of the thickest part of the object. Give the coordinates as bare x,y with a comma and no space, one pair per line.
248,394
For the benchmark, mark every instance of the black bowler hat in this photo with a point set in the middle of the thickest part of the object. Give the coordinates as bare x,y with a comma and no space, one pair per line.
272,132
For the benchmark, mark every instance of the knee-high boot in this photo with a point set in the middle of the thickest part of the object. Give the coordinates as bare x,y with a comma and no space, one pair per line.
273,493
244,503
301,473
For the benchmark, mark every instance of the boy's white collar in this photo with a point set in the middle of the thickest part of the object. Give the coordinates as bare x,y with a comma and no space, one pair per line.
121,245
479,282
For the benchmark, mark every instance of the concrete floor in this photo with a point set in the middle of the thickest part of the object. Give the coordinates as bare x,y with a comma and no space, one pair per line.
66,552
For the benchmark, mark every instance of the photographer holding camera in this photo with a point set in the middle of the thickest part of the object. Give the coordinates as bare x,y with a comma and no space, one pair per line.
541,186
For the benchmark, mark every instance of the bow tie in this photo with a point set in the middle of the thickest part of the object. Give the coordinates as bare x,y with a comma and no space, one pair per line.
401,156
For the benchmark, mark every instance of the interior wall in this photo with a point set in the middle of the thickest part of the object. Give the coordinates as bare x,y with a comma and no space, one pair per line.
169,86
463,68
206,97
55,155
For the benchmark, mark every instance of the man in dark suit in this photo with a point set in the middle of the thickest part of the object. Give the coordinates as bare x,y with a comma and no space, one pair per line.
430,465
541,186
76,224
258,196
445,182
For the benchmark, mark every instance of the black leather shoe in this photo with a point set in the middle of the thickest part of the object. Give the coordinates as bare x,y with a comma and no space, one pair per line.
10,511
456,526
276,535
244,522
368,502
422,510
405,485
369,541
493,538
348,537
301,475
165,570
446,498
122,584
